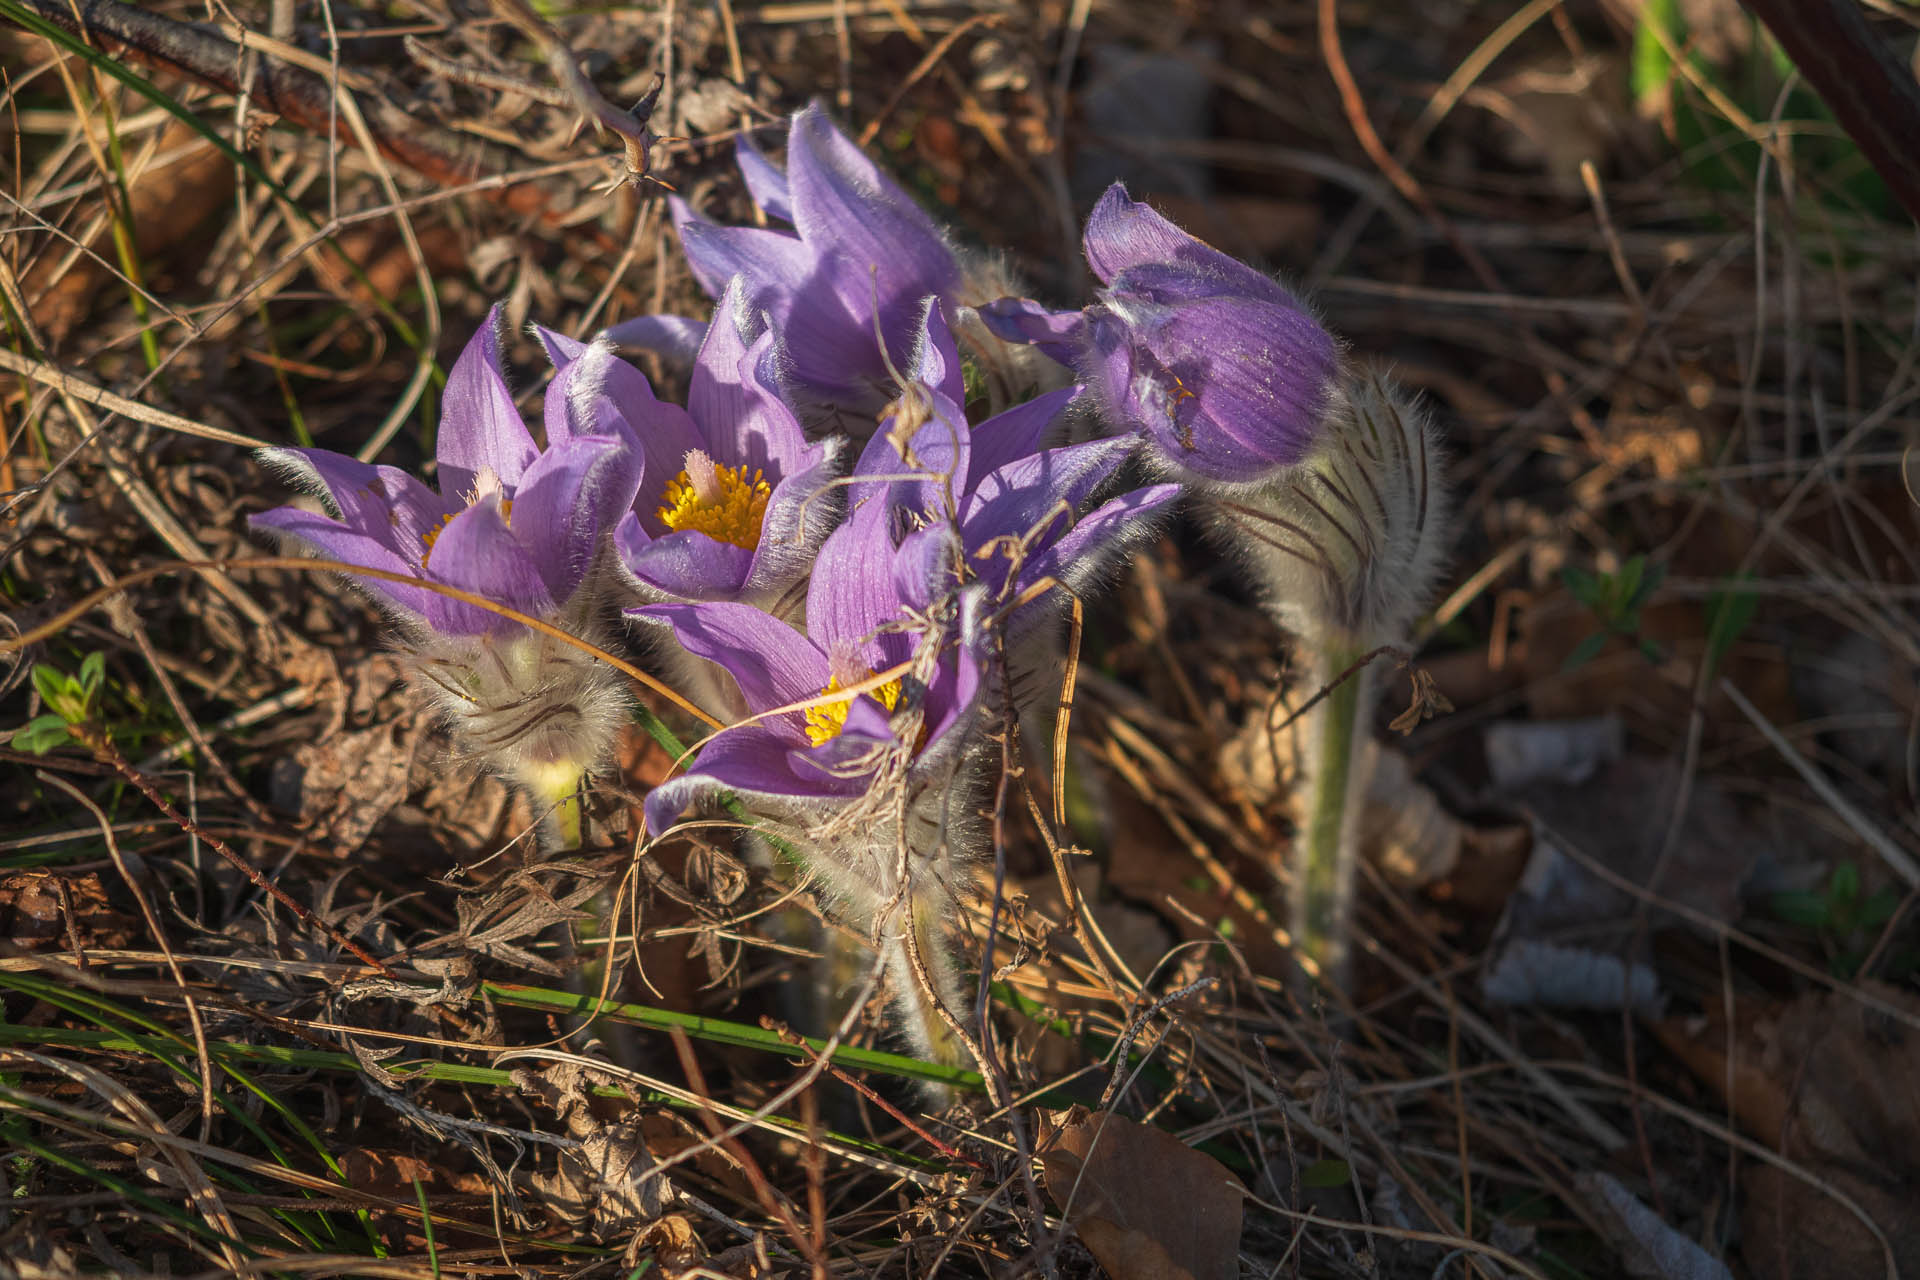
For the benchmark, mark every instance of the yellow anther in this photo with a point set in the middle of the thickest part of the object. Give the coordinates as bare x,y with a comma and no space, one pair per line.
432,535
825,721
721,502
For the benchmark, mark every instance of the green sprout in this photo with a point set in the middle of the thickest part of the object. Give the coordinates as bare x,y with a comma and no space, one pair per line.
72,703
1616,600
1848,921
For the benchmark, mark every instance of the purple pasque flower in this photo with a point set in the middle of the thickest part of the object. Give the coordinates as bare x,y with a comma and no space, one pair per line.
874,792
514,525
872,609
517,525
843,288
1225,373
1017,507
733,501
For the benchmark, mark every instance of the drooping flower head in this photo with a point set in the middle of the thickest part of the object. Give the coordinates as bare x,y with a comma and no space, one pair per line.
510,523
1224,373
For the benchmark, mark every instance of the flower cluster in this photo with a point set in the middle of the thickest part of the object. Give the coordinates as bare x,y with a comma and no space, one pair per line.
856,539
844,601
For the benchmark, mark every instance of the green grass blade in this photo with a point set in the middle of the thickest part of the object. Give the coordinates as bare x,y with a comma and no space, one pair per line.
738,1034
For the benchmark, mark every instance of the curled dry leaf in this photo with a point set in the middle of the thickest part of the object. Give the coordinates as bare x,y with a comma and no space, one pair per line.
1405,830
605,1188
1649,1249
341,788
46,910
1146,1205
1833,1084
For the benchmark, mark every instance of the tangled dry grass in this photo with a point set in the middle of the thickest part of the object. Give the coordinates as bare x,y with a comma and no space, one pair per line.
286,989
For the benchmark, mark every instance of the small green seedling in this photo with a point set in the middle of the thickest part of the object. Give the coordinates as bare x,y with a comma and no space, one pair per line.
1729,610
71,702
1848,920
1616,599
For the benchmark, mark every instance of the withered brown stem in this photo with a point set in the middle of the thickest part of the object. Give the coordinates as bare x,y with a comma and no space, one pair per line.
201,54
1875,99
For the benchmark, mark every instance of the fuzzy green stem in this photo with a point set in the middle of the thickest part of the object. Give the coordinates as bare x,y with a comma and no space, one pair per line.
558,788
1327,848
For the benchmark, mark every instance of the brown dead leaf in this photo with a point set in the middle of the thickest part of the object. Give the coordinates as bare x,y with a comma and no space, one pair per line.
1621,680
52,910
674,1242
1833,1085
1405,830
1147,1206
605,1188
344,786
385,1173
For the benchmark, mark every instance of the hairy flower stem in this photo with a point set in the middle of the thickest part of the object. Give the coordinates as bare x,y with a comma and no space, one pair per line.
1327,847
557,791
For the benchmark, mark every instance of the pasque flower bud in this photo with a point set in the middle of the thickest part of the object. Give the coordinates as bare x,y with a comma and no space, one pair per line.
1326,480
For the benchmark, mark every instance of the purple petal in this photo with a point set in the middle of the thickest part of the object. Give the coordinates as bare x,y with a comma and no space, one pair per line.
829,354
924,567
1058,334
1171,283
851,592
1016,498
801,512
385,503
1124,233
765,183
1230,387
769,259
561,350
480,430
675,337
941,449
1083,552
951,696
751,761
687,565
1017,433
773,664
744,422
334,541
477,552
605,395
572,494
936,356
842,198
689,221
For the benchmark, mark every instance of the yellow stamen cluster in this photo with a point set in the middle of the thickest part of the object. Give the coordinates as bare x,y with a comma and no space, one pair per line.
432,535
825,721
720,502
